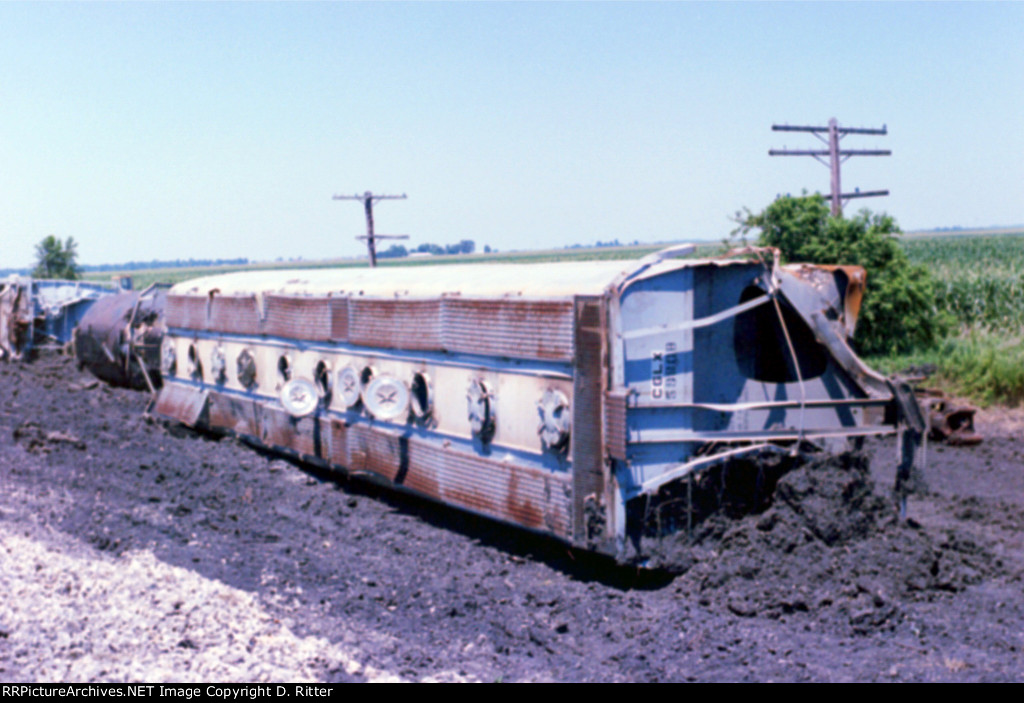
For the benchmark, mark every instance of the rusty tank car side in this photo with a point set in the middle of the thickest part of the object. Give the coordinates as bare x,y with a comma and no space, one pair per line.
556,397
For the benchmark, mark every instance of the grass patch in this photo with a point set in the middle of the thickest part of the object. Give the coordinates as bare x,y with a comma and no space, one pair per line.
988,367
985,366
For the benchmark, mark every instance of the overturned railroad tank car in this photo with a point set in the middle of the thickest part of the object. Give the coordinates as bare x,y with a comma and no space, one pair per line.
119,338
557,397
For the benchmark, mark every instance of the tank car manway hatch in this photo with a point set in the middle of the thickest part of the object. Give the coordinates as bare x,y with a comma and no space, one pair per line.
557,397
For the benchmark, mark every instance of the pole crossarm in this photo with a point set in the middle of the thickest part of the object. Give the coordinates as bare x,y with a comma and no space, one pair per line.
370,196
368,199
834,156
864,194
826,152
840,130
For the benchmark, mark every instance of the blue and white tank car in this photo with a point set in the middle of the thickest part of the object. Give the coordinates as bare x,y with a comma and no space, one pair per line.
551,396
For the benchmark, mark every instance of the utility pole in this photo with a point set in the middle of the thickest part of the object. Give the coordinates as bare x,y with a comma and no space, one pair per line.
834,155
370,237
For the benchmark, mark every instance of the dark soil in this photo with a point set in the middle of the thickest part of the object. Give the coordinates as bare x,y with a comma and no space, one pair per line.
826,584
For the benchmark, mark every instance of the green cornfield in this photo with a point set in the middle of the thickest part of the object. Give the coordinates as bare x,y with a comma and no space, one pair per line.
981,287
981,278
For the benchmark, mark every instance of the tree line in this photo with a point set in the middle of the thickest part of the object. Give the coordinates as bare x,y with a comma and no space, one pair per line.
397,251
59,259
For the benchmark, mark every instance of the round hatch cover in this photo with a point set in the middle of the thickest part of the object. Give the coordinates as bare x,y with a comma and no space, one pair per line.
386,398
299,397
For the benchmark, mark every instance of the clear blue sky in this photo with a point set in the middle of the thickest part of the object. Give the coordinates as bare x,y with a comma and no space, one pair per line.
166,130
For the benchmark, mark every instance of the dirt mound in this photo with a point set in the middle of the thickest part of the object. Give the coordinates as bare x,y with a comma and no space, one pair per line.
828,545
833,497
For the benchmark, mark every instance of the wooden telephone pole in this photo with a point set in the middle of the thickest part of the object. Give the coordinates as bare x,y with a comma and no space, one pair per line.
370,237
835,156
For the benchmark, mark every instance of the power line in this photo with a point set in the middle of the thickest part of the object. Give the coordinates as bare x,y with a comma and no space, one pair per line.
371,238
835,155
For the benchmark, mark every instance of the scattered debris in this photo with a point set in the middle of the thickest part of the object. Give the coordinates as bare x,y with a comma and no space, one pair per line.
948,421
38,441
40,313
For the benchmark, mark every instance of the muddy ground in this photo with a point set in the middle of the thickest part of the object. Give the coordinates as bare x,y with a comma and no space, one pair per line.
826,585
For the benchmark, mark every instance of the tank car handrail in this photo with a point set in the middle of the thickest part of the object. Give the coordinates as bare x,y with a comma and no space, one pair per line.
760,404
669,436
653,485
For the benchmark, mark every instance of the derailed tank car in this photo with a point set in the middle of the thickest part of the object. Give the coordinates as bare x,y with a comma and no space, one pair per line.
551,396
119,338
43,313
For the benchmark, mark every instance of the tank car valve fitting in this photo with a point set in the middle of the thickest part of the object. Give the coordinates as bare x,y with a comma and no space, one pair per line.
555,419
480,404
245,368
349,387
218,364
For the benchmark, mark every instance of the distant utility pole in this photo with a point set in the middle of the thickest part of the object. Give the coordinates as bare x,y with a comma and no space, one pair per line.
370,237
833,153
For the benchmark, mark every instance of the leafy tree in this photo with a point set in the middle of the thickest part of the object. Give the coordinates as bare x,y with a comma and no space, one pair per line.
428,248
464,246
395,251
55,259
898,313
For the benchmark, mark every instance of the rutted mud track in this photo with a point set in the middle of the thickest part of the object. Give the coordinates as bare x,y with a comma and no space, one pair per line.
824,585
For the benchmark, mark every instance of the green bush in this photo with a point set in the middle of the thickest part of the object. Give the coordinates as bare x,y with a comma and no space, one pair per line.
898,313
